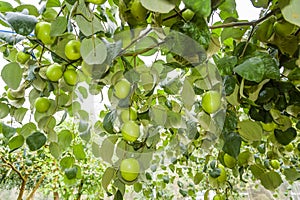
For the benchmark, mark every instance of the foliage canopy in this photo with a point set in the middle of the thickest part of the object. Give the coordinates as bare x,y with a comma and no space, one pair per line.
211,106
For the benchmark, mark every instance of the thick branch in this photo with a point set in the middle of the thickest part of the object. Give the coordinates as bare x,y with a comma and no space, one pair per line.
13,168
37,185
22,188
237,24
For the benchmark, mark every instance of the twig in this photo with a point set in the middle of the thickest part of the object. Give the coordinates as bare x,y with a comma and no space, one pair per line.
48,49
80,190
252,23
143,50
175,15
134,41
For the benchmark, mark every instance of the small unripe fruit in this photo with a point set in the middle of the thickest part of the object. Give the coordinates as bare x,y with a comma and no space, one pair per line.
42,104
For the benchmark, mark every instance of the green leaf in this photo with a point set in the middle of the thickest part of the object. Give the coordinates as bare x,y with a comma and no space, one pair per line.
28,129
12,75
59,26
53,3
173,120
65,138
5,7
285,137
23,24
118,195
107,148
149,43
190,41
36,141
66,162
271,180
16,142
31,8
4,110
291,174
96,150
202,8
257,170
228,9
229,83
89,28
107,177
19,114
291,12
160,6
235,33
71,172
137,187
252,69
260,3
55,150
198,178
93,51
250,131
158,115
7,131
232,144
226,64
108,122
188,94
79,152
294,74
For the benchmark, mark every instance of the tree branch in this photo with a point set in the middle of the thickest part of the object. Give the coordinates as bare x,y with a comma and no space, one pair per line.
237,24
22,188
13,168
134,41
37,185
45,47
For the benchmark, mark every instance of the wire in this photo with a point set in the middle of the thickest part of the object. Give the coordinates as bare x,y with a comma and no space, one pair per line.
12,32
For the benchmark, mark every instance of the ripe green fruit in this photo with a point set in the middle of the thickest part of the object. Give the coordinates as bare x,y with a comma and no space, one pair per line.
72,50
42,104
128,114
211,101
54,72
275,164
70,76
188,15
130,169
284,28
42,32
229,161
122,89
97,2
130,131
265,29
138,11
219,197
22,57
